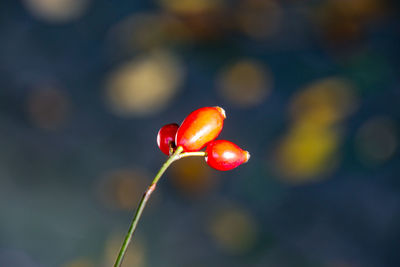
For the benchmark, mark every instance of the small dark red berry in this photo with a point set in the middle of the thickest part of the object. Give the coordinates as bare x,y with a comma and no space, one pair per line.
200,127
224,155
166,137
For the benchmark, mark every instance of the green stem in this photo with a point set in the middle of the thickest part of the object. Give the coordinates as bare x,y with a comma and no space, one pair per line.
190,154
175,156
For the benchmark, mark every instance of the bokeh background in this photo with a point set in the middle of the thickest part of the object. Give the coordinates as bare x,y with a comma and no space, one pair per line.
311,89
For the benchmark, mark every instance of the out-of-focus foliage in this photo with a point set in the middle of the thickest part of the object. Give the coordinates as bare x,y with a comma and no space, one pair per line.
56,11
245,84
311,146
311,89
144,86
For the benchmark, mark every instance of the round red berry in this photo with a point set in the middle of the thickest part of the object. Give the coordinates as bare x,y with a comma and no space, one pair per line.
224,155
166,137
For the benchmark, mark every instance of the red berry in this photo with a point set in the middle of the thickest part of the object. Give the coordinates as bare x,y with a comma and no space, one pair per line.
224,155
166,137
200,127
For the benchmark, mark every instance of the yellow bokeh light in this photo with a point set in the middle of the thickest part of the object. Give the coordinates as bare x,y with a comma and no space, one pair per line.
145,85
259,18
48,107
146,31
82,262
358,10
245,83
233,229
307,151
122,189
192,177
189,7
57,10
324,102
344,21
135,255
376,140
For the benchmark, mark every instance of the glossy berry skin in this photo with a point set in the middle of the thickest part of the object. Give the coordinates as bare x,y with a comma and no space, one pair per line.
199,128
224,155
166,136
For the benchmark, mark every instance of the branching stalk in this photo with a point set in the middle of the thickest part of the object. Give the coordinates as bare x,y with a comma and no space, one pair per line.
175,156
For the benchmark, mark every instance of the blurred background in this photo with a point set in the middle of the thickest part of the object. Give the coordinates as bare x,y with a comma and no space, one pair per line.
310,87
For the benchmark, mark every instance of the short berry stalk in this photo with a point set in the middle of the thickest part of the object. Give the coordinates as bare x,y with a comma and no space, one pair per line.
142,204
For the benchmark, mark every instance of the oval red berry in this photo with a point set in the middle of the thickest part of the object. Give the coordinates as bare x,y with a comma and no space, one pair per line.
224,155
200,127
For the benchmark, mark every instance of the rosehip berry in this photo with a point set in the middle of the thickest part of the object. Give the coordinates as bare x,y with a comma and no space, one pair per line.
200,127
224,155
166,137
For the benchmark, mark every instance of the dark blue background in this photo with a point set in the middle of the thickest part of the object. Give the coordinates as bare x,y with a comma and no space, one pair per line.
50,174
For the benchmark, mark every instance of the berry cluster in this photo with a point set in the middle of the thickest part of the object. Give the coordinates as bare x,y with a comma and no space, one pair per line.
200,129
197,131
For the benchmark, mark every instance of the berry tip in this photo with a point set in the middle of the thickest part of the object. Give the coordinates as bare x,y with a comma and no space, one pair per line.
221,111
247,156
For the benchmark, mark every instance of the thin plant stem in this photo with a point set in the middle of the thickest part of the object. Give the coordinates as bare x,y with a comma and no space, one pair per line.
190,154
142,204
